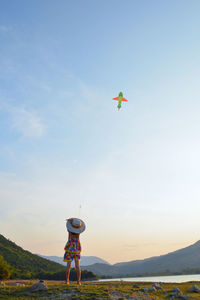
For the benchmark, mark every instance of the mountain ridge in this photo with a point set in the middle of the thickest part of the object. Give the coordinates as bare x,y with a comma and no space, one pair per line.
158,256
183,260
23,262
85,260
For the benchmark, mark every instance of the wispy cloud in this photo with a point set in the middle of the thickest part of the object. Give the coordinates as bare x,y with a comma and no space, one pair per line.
132,246
24,121
5,29
27,122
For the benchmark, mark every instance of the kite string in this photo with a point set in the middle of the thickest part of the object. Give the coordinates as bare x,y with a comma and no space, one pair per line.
79,211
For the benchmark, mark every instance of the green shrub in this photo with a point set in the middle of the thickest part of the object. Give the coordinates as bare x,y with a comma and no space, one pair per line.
4,269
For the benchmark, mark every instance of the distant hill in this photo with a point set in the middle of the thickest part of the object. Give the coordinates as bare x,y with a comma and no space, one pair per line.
183,261
85,260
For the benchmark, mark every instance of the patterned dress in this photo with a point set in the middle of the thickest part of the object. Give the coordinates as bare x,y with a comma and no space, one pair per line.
72,249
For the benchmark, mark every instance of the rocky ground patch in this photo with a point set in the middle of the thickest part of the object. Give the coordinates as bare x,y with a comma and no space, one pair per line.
98,290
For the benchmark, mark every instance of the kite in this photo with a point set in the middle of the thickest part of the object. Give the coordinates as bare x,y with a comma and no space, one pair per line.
120,99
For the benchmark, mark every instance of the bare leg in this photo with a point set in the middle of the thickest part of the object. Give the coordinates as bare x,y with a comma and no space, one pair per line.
78,271
68,271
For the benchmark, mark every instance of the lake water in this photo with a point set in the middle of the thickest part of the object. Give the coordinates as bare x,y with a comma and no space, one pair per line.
175,278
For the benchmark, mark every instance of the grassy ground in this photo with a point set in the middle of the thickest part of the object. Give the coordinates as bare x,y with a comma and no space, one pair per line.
100,290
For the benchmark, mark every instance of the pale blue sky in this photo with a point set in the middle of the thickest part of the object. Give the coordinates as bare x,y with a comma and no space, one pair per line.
63,143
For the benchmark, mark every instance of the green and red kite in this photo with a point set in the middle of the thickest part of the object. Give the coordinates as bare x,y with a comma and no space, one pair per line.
120,99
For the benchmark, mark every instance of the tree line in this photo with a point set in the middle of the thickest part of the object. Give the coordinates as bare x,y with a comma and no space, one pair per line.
9,272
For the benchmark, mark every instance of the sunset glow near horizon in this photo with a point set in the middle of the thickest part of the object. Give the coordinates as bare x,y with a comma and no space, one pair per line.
66,150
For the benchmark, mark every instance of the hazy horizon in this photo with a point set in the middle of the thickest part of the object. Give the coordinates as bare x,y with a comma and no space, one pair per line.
125,260
65,149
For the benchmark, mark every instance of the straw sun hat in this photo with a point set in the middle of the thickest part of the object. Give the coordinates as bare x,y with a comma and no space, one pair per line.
75,225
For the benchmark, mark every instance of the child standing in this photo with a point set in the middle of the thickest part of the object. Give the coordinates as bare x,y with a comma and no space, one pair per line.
73,247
